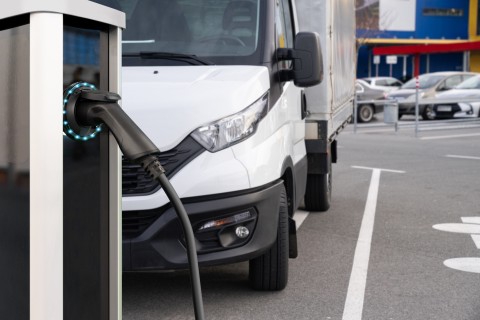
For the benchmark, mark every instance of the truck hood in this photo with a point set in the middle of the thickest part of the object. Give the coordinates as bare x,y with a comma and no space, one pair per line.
168,103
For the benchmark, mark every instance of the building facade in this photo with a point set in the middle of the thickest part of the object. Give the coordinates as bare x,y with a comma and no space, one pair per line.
416,22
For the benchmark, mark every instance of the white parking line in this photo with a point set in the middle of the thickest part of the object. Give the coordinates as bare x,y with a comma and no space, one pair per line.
476,240
462,157
467,228
387,170
300,217
474,220
451,136
358,278
464,264
470,225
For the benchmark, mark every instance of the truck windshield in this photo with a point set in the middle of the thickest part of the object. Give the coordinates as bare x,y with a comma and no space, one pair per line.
220,31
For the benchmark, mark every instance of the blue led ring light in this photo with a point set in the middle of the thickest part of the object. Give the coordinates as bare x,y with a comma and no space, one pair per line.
70,127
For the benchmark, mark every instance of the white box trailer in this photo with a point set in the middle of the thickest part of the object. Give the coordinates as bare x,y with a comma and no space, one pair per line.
329,104
219,86
334,21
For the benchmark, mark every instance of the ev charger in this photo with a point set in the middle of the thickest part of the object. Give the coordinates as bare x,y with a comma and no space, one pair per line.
60,217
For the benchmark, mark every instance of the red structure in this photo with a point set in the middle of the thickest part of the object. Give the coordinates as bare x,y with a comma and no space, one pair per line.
417,50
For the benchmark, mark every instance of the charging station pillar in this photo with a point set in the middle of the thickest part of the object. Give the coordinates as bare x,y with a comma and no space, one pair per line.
60,220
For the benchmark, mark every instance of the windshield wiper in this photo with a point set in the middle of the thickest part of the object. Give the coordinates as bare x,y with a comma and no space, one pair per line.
189,58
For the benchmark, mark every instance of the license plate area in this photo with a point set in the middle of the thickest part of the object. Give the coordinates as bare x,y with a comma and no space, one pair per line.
444,108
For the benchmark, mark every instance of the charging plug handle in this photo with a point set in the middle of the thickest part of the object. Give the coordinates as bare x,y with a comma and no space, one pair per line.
97,107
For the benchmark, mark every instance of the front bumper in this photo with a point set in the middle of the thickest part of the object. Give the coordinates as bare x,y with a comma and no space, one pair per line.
409,108
153,239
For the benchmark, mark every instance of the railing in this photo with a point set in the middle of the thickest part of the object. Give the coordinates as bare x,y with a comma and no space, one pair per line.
429,125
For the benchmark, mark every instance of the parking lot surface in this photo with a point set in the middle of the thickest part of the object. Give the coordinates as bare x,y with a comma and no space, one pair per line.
400,241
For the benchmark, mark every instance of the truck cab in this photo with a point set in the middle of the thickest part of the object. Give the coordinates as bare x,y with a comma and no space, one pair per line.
217,85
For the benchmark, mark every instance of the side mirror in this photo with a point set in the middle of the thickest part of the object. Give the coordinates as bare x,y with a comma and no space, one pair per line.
306,57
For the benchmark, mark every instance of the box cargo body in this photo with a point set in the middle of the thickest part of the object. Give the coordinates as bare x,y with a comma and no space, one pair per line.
334,21
328,105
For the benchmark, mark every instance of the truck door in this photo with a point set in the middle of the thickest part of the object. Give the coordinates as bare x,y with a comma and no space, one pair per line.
291,95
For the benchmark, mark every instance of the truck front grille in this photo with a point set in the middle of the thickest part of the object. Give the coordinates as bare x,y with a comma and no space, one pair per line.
137,182
134,223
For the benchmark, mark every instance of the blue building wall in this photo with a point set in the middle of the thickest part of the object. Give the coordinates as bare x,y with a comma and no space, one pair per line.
437,27
426,27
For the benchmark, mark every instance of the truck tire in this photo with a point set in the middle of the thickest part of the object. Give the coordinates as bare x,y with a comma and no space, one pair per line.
269,272
319,191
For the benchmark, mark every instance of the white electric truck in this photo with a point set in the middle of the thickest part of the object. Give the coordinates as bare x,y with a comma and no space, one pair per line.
228,90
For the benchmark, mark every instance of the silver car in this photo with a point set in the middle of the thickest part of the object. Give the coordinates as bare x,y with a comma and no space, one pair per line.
366,100
430,84
383,83
454,107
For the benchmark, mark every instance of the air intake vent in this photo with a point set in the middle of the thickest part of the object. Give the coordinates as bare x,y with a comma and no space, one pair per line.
135,222
136,182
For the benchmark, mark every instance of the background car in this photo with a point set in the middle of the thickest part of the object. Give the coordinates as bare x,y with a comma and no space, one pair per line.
366,98
430,85
383,83
453,107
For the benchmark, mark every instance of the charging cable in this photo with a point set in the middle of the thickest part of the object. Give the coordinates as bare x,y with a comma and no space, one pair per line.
85,111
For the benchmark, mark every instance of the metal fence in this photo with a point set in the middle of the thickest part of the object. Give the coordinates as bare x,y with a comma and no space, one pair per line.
390,117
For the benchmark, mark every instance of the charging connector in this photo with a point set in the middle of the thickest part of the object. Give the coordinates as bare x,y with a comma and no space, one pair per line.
87,109
92,108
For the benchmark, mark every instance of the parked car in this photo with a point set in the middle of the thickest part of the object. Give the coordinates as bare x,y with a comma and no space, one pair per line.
430,85
366,97
468,90
383,83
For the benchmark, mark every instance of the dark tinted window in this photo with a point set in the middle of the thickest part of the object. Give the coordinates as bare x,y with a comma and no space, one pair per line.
394,83
381,82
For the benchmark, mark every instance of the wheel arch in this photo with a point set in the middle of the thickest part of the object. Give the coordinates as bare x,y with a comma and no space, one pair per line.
289,183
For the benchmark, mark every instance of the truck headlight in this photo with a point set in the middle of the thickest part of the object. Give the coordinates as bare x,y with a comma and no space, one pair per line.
230,130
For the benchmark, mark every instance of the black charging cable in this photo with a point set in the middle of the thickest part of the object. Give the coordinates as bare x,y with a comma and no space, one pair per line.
153,167
91,108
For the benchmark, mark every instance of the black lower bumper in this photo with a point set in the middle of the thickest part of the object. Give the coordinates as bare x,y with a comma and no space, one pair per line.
409,108
160,244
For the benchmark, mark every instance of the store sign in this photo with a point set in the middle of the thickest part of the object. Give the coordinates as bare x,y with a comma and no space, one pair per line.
392,59
397,15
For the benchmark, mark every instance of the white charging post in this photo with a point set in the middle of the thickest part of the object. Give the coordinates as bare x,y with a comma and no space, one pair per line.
60,221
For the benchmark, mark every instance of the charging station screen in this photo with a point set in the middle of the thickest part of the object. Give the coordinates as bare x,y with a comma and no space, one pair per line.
14,173
85,185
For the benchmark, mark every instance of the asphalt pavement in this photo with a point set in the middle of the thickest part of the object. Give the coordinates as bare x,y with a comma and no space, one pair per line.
400,241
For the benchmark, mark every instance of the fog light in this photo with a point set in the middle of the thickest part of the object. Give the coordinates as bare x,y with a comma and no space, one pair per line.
226,221
226,232
242,232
